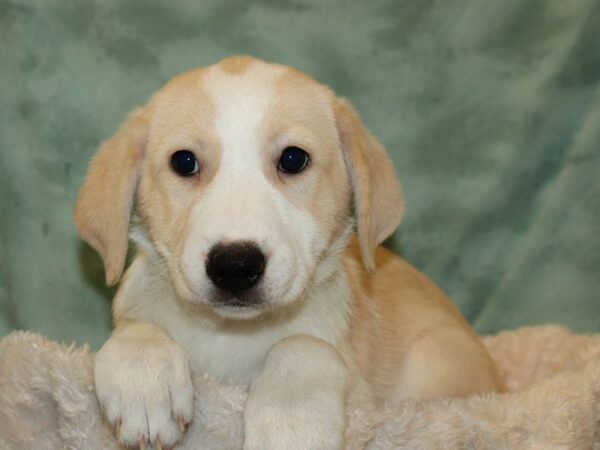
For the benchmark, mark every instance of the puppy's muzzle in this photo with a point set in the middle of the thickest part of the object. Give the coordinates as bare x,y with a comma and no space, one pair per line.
235,267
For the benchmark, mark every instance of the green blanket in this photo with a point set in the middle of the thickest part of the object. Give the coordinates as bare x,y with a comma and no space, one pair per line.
490,110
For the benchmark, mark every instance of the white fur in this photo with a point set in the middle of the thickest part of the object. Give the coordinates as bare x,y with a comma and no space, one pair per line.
232,350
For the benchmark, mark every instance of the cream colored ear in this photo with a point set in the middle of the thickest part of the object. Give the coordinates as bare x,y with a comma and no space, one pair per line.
378,200
103,208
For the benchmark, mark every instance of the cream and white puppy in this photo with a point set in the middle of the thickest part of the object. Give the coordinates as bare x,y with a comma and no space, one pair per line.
242,180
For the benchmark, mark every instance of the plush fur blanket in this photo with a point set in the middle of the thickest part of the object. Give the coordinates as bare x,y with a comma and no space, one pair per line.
47,401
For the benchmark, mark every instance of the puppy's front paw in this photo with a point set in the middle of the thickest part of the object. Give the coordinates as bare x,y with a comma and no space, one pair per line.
145,389
298,400
277,428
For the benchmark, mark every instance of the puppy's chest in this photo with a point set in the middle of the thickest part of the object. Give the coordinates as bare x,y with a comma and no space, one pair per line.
230,357
238,354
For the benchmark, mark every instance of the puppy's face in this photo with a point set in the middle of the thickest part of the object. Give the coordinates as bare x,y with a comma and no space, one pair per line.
242,174
243,187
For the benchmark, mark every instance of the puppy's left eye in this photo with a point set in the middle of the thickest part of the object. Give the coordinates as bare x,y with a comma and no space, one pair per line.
184,163
293,160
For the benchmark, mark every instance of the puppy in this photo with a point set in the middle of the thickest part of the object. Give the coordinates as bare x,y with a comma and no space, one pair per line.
244,180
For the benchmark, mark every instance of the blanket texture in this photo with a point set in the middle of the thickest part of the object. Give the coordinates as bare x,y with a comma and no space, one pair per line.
489,109
47,401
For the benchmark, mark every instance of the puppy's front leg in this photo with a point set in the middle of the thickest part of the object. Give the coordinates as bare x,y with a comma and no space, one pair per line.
298,400
143,383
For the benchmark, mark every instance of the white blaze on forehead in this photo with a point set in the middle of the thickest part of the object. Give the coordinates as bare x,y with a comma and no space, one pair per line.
241,102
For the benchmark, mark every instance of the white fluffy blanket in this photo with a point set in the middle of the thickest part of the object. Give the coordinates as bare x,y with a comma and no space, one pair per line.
47,401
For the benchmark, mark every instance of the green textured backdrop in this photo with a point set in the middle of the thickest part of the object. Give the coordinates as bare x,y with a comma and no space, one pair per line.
490,110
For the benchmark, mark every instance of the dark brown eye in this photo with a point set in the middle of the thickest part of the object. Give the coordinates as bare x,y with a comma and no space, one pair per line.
184,163
293,160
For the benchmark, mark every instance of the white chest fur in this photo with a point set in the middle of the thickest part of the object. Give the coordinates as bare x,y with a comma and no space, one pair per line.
231,350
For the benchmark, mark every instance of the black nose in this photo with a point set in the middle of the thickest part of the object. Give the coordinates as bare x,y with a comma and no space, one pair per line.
235,267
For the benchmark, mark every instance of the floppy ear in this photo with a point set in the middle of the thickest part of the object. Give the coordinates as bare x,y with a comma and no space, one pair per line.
105,200
378,200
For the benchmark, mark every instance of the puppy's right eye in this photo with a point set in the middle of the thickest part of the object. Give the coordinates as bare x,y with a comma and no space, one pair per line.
184,163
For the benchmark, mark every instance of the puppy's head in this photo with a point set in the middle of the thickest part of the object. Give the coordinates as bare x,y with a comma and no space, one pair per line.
243,176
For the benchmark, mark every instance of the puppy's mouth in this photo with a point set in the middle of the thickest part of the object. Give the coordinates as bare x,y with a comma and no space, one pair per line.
239,300
238,307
